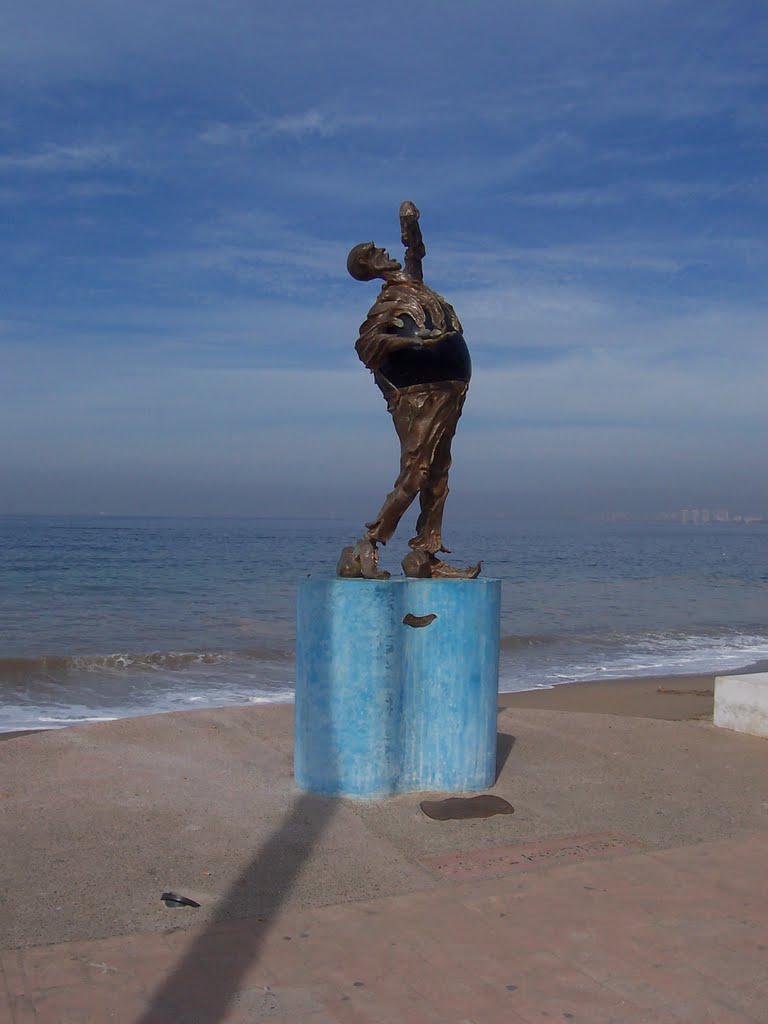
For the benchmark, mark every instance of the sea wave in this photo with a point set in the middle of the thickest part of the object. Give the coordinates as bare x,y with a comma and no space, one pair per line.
510,643
676,652
57,665
621,640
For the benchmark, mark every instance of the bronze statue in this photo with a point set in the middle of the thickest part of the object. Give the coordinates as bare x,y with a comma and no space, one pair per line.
413,344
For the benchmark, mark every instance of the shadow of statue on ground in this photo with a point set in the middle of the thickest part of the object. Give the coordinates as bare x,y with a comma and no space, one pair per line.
206,981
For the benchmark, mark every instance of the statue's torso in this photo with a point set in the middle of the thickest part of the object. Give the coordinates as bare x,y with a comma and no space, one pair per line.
406,309
446,359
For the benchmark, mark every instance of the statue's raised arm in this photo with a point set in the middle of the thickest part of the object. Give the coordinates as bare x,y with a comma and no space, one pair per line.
407,314
410,234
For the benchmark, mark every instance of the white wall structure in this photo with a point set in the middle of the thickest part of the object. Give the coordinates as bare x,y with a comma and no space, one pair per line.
741,703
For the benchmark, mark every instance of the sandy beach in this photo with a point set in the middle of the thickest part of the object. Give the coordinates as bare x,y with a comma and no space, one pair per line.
671,698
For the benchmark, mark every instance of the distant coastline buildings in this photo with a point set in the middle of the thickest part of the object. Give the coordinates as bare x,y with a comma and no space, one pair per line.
690,517
704,516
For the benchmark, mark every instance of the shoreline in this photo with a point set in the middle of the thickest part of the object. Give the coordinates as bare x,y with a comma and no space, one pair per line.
668,697
20,732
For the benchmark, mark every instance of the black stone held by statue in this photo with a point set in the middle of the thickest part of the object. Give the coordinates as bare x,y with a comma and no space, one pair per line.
172,900
484,806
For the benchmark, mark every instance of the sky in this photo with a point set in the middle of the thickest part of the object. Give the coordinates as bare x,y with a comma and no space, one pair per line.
180,184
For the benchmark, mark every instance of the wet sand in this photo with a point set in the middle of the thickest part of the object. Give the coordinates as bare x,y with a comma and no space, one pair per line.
19,732
670,698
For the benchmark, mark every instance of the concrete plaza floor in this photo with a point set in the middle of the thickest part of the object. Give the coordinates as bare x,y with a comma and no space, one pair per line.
628,885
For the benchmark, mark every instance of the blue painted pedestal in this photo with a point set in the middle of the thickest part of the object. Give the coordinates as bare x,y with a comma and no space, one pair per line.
383,707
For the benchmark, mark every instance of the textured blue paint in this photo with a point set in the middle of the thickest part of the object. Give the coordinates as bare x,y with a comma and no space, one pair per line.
382,707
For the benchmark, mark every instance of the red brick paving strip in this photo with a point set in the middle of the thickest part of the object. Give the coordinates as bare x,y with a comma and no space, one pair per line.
504,860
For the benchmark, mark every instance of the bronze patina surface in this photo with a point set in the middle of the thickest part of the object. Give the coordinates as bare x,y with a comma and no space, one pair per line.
412,342
418,621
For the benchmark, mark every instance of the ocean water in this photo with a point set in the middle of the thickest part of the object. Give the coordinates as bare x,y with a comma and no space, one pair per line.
103,617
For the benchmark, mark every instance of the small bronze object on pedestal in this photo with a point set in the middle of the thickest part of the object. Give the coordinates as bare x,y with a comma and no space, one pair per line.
413,344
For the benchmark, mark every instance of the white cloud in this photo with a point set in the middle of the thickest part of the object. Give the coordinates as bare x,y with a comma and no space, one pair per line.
70,157
101,189
619,194
301,125
604,389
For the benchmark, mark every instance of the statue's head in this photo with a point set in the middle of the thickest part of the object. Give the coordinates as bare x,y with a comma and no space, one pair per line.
367,261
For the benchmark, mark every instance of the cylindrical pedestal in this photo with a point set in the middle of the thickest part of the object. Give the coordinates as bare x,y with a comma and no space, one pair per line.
383,706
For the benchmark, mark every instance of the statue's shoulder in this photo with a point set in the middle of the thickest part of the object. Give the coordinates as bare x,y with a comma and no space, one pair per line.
440,310
409,290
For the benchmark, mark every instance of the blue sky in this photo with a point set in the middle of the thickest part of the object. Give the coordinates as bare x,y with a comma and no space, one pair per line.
180,183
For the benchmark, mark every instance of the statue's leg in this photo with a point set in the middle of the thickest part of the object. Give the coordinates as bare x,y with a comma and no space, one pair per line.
432,498
405,407
361,560
434,493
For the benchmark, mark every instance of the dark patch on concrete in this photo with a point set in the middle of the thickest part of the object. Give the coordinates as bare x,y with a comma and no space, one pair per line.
484,806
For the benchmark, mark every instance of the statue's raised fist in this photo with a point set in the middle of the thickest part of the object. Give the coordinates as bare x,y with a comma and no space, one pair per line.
409,209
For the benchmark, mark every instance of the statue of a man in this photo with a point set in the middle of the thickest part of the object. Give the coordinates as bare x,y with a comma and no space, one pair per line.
413,344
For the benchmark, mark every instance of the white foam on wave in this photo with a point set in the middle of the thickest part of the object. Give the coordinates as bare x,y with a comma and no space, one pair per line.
277,697
650,655
95,704
79,720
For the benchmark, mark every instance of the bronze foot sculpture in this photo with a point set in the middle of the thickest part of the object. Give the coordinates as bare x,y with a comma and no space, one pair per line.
425,566
361,562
